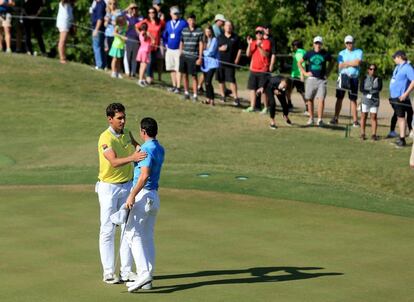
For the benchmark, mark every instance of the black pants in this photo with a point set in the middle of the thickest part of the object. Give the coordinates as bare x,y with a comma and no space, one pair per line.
108,44
272,101
208,78
35,26
394,118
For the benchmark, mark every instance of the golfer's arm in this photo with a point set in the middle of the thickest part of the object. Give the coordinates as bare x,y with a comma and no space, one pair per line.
116,162
142,180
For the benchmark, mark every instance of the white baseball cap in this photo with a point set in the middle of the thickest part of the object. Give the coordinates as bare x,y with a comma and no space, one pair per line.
175,10
219,17
349,39
318,39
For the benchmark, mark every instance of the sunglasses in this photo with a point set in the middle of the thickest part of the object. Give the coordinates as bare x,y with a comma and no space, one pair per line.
371,69
259,33
349,43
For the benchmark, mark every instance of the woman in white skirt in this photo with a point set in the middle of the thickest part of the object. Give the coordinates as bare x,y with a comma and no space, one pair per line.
64,23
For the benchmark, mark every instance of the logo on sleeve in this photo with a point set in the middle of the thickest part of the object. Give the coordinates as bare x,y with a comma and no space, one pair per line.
104,147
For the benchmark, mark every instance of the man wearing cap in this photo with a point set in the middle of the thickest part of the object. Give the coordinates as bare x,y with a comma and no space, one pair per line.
317,71
218,25
116,149
229,46
157,5
349,61
259,51
171,38
401,85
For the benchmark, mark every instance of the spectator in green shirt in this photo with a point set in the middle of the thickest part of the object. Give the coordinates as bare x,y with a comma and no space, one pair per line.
296,79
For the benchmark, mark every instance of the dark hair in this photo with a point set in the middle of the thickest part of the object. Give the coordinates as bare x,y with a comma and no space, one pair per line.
297,43
144,26
191,16
150,126
119,18
205,39
157,20
113,108
374,65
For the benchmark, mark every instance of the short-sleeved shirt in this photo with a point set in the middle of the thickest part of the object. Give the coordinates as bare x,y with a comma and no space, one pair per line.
401,78
191,40
98,13
31,7
297,56
132,21
121,144
118,41
346,56
233,47
260,63
172,33
217,30
317,62
155,29
110,27
154,160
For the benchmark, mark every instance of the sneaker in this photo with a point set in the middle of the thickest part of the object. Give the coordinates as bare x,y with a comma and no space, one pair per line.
194,98
392,134
147,286
110,279
141,83
176,90
321,123
228,92
113,75
374,137
171,89
333,121
411,135
264,111
355,125
186,96
287,121
139,283
128,277
306,113
8,50
249,109
273,126
310,122
363,137
119,76
400,143
236,103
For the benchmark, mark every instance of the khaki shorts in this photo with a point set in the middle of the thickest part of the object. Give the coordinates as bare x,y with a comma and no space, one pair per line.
172,60
315,89
5,20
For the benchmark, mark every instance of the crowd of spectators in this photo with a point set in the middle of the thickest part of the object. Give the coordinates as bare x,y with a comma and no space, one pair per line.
126,42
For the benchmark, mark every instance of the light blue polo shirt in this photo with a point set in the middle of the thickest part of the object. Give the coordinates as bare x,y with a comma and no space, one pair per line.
154,160
401,78
345,56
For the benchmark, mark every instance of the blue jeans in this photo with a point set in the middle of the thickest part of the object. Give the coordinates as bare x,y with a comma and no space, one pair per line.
99,50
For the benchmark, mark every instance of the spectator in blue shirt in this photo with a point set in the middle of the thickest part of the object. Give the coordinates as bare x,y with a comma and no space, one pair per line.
171,38
98,35
349,61
401,84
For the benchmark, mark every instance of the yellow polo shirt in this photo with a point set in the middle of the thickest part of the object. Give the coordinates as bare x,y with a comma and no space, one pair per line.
122,146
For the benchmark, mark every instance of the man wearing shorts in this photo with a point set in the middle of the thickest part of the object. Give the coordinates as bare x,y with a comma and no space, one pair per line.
191,50
144,204
259,51
401,85
315,85
230,52
5,22
116,149
171,38
296,80
349,61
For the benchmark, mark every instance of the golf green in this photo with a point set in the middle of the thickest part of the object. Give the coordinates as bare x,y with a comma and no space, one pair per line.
210,247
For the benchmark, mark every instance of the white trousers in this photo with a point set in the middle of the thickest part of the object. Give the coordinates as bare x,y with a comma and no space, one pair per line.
111,197
140,231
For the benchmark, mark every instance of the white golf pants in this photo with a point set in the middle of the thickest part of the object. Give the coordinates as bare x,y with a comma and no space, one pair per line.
140,231
111,197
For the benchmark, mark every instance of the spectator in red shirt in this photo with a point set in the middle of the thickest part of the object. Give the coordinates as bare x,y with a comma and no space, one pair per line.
259,50
155,29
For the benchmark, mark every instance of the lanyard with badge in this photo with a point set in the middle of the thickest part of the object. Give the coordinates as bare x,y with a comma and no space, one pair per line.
396,71
173,27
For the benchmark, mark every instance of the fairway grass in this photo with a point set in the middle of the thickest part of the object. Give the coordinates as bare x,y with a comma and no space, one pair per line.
210,247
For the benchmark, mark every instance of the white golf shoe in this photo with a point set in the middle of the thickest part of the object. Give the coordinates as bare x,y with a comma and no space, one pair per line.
129,277
138,284
110,279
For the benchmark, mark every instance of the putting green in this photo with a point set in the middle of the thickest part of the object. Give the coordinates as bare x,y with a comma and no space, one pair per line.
211,247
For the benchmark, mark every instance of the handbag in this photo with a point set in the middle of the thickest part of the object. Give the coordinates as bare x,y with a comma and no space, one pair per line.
344,82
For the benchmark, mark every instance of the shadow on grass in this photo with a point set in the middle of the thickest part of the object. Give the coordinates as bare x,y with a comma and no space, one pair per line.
257,275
